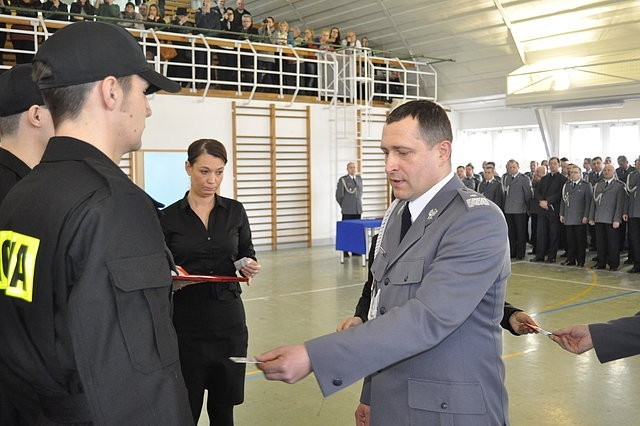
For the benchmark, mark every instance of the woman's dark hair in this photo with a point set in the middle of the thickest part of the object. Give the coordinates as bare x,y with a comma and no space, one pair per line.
206,146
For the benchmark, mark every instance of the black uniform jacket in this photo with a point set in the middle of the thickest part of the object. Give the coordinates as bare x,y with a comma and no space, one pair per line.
12,169
85,294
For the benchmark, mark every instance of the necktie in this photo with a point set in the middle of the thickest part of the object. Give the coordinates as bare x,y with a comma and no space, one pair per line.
574,184
606,184
406,221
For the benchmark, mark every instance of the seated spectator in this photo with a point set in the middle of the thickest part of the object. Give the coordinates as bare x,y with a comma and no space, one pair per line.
350,40
83,8
266,61
229,60
24,41
296,37
154,17
55,10
107,9
181,25
334,38
248,32
239,12
130,15
143,9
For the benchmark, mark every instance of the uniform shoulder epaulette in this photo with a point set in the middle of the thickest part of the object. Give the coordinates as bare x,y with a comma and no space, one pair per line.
472,199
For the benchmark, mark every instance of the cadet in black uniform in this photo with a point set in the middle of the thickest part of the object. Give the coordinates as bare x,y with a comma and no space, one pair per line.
25,129
85,278
25,126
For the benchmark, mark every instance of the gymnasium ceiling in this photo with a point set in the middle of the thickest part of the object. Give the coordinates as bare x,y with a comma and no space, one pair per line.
485,39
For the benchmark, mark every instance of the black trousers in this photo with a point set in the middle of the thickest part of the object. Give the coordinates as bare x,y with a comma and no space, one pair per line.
576,243
608,242
634,240
517,227
549,228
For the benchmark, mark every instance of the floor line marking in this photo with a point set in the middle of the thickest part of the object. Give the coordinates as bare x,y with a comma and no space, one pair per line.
584,292
298,293
574,282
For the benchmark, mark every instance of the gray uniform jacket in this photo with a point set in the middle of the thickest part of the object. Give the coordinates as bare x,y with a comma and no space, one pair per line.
349,194
619,338
434,349
576,201
633,206
517,193
608,203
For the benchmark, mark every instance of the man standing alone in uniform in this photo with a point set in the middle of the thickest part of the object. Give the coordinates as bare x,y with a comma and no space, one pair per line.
432,348
25,129
349,194
86,278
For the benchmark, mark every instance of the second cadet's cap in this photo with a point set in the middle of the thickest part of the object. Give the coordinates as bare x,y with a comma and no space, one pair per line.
85,52
18,92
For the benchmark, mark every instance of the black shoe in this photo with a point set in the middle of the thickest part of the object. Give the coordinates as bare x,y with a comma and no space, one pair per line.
598,267
613,268
535,259
628,262
552,260
580,264
634,270
568,263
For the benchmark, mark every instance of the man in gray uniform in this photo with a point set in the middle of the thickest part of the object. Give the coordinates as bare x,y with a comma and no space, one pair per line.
633,217
517,195
606,214
574,214
349,193
432,350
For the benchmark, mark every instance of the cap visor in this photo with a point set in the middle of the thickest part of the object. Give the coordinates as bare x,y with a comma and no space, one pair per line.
159,82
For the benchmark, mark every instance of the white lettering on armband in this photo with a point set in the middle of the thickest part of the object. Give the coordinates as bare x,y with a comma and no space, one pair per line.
18,264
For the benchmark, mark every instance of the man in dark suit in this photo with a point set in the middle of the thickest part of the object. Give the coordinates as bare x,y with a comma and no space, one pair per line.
491,188
595,176
549,226
613,340
440,271
622,172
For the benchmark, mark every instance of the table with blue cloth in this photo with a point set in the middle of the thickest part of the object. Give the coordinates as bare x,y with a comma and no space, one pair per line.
355,236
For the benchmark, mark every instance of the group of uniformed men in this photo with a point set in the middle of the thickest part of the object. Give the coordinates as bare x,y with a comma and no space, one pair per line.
567,206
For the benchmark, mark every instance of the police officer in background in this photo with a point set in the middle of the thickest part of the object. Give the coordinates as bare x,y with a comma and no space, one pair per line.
606,212
574,214
85,299
25,129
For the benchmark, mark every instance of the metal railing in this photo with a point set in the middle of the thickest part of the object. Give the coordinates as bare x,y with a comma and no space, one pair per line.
202,64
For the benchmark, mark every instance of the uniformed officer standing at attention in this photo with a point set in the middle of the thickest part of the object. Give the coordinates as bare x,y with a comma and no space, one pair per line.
606,211
574,214
349,195
86,277
432,349
517,196
633,216
490,187
25,129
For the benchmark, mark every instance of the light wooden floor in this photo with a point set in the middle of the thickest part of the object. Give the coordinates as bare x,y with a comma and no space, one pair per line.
303,293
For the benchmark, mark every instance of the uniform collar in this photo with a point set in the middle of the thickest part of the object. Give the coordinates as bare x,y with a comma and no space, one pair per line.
64,148
13,163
